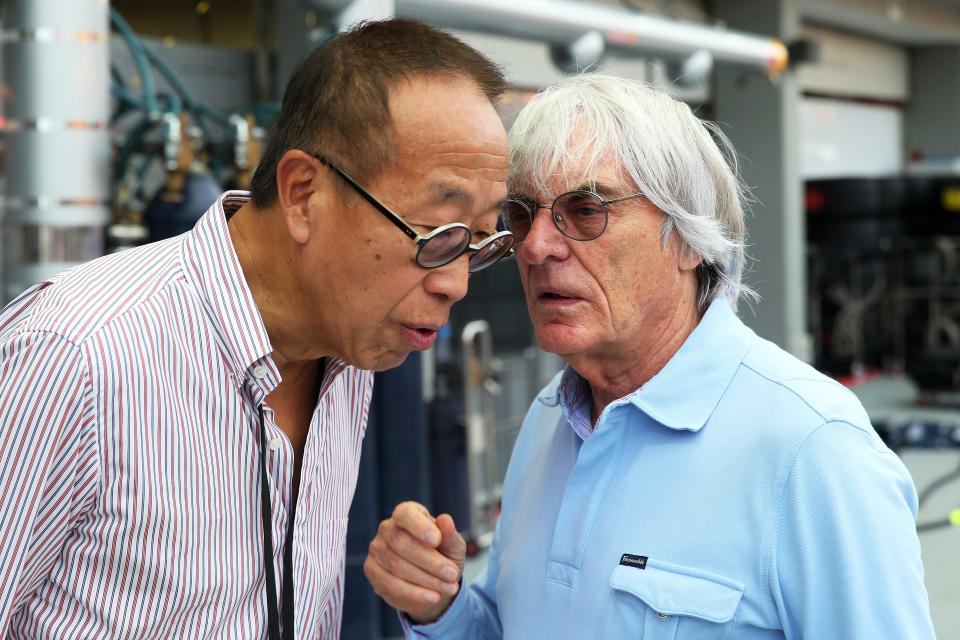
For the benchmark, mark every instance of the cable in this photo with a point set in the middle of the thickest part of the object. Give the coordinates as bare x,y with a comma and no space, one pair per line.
937,484
952,520
137,49
173,102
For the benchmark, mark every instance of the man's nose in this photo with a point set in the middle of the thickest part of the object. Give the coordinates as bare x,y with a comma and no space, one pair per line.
544,239
449,281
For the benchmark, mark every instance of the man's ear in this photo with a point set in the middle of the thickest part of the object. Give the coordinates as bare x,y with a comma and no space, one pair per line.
689,260
296,183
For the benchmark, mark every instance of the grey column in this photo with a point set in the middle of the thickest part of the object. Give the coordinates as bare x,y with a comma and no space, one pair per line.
56,104
932,116
761,118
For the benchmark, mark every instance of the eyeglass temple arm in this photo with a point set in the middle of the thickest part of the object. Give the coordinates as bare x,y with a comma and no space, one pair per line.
379,206
632,195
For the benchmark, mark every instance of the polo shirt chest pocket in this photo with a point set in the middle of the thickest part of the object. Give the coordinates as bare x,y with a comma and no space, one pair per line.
664,601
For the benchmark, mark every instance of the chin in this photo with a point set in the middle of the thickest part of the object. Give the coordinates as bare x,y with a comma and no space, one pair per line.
561,339
384,361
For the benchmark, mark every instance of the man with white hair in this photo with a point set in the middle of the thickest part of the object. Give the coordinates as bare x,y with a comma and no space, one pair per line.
682,477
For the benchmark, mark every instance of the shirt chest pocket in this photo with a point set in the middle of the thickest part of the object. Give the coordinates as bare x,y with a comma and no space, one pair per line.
670,602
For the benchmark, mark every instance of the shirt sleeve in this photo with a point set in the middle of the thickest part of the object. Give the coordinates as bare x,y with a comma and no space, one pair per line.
845,556
473,613
49,459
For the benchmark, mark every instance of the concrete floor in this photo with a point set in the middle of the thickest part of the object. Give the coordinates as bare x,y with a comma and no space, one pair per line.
940,547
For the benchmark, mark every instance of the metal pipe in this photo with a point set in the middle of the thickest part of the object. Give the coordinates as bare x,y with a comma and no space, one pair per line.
477,345
56,104
562,22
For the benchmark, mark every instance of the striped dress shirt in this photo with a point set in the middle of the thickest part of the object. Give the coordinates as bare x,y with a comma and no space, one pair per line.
129,453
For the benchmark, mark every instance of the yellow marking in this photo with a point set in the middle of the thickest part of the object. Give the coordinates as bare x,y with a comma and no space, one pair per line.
951,198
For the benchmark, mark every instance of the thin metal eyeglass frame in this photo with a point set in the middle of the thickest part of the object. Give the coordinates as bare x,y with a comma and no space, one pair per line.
554,216
420,240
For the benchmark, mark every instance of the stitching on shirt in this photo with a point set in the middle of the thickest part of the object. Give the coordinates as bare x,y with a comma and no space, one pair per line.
584,430
593,514
802,398
88,398
770,560
770,566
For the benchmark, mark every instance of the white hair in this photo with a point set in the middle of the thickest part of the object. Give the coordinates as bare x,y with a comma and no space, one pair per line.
683,165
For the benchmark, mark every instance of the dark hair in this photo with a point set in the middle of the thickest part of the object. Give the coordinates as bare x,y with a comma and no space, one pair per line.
336,102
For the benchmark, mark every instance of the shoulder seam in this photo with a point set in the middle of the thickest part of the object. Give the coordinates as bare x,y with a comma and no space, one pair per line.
820,414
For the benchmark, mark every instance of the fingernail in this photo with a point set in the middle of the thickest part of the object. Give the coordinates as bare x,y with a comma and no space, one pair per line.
431,537
432,597
448,573
450,588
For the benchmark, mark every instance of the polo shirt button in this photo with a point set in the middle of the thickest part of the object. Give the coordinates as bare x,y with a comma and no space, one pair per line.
274,444
260,372
662,616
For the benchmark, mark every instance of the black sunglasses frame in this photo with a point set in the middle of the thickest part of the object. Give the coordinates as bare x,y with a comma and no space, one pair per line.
422,240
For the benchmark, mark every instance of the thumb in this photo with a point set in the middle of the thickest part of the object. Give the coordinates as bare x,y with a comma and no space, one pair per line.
452,543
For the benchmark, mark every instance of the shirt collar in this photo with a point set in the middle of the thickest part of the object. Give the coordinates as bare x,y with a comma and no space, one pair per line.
211,264
685,392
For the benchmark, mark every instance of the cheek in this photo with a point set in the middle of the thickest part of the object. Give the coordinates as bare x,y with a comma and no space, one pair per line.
634,279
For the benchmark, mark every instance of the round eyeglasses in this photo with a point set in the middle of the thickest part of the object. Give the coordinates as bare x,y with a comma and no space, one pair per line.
444,244
579,215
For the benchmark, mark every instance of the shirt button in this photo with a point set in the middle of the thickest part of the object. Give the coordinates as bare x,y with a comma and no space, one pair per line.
274,444
260,372
662,616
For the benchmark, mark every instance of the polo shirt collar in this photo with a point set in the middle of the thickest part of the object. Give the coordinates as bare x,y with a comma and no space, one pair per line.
685,392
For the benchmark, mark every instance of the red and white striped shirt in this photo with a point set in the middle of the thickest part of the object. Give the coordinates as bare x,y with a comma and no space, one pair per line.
129,453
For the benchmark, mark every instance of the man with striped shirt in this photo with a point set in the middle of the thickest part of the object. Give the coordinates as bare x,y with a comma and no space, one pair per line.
181,423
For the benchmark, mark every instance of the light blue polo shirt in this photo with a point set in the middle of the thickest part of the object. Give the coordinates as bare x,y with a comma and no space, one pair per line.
738,495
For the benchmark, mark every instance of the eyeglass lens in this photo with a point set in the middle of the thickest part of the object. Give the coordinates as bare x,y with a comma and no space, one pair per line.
490,251
443,247
578,215
450,243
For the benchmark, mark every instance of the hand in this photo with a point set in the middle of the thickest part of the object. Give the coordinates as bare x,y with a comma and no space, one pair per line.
415,562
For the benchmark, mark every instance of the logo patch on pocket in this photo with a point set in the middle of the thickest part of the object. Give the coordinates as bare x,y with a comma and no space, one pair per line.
629,560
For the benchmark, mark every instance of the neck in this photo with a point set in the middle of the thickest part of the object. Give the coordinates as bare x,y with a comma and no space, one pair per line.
268,257
621,371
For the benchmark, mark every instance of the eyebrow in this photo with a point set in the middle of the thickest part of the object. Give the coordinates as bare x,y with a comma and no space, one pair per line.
444,192
441,192
602,189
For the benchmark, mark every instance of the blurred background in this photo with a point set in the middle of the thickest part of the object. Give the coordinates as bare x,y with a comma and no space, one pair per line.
121,122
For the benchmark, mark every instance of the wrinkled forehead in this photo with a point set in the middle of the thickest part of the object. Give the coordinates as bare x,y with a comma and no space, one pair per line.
544,163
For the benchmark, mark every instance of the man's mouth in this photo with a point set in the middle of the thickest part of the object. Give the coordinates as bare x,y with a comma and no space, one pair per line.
420,338
550,294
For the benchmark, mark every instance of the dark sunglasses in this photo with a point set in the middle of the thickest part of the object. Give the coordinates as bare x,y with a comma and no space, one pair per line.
445,243
579,215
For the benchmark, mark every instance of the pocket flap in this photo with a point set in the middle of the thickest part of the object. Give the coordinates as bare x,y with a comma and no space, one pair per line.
675,590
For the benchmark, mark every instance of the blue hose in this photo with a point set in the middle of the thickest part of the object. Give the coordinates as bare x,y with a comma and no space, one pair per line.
137,49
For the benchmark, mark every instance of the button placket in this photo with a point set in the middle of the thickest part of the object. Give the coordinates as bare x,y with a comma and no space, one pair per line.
277,469
598,461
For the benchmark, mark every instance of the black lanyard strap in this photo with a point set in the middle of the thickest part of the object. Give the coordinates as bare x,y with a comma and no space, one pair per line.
273,618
